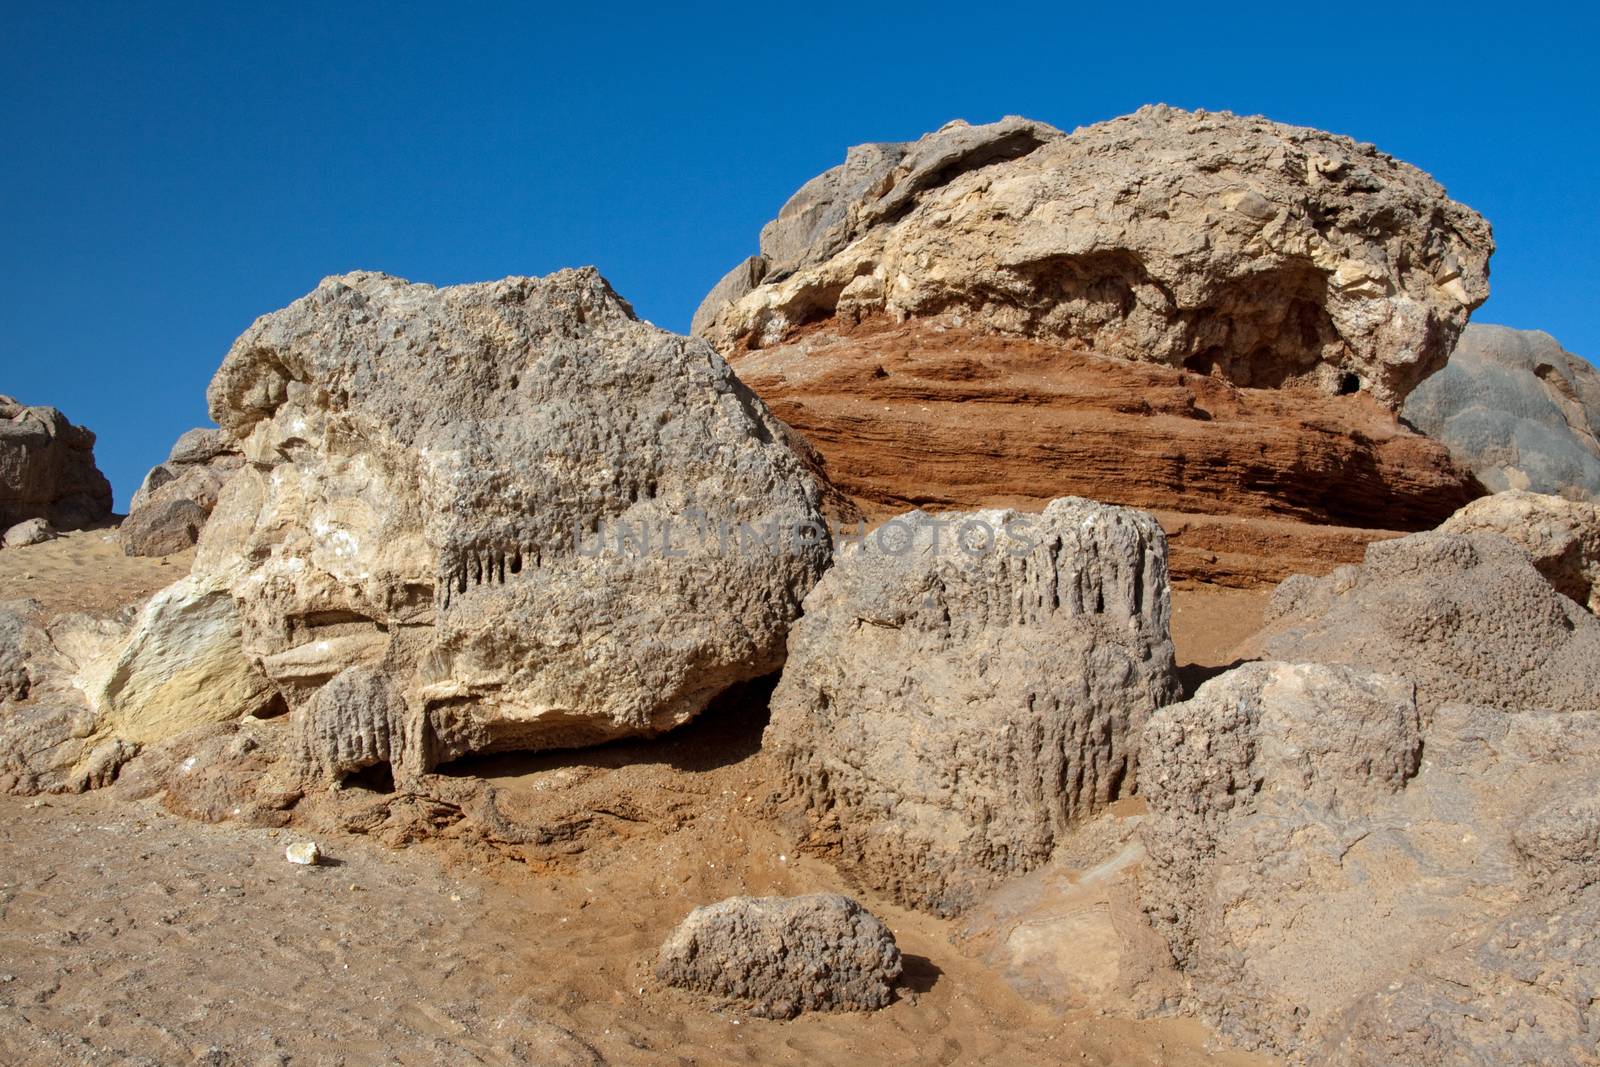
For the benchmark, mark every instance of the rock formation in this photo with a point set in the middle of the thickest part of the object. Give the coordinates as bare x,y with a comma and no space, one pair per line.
47,469
1347,880
935,318
1518,410
780,956
1265,252
1465,616
1560,536
963,688
177,497
498,516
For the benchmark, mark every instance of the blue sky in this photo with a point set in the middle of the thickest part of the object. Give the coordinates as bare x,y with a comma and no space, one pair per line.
171,172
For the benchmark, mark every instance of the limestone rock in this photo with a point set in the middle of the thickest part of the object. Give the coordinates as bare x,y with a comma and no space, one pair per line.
177,497
963,688
546,522
1465,616
31,532
47,469
303,853
1561,536
182,666
1266,253
780,956
48,736
1347,880
1517,409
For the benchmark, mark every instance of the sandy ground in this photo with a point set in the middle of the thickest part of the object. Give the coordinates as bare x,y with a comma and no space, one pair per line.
131,936
86,570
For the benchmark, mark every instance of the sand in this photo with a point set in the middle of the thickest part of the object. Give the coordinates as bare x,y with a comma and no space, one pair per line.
130,935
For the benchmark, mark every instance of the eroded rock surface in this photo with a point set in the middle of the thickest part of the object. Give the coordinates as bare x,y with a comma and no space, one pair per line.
177,497
1264,252
780,956
1346,879
1560,536
1466,616
1517,409
948,710
465,492
47,469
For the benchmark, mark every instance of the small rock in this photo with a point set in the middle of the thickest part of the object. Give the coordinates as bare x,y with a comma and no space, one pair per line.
305,853
32,532
780,956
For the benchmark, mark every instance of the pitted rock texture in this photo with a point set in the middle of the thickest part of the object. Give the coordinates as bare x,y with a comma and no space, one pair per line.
516,501
1344,879
47,469
177,497
1466,616
1518,410
1560,536
780,956
1265,253
964,688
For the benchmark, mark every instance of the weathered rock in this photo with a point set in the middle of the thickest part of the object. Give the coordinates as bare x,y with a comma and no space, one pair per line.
1561,536
437,486
182,666
1518,410
1264,252
949,709
1465,616
1344,880
303,853
780,956
177,497
48,736
31,532
47,469
1253,484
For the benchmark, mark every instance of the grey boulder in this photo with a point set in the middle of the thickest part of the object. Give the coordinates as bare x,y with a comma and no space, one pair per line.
1518,410
47,469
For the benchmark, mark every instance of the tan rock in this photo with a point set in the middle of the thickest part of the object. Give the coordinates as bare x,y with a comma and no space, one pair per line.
1561,536
1266,253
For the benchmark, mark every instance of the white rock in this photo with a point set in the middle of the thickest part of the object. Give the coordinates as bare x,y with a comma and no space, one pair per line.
305,853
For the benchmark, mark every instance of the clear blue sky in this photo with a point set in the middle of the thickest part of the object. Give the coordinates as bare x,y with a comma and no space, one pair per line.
171,172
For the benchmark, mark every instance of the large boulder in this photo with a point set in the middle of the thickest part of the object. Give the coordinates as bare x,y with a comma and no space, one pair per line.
1346,880
1518,409
47,469
780,956
177,496
964,688
1263,252
1560,536
537,520
1466,616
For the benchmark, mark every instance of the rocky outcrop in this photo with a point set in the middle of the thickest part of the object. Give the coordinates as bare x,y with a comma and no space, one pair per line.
47,469
177,497
49,740
937,317
1465,616
964,688
1518,410
1263,252
1560,536
541,521
1252,485
1336,897
780,956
